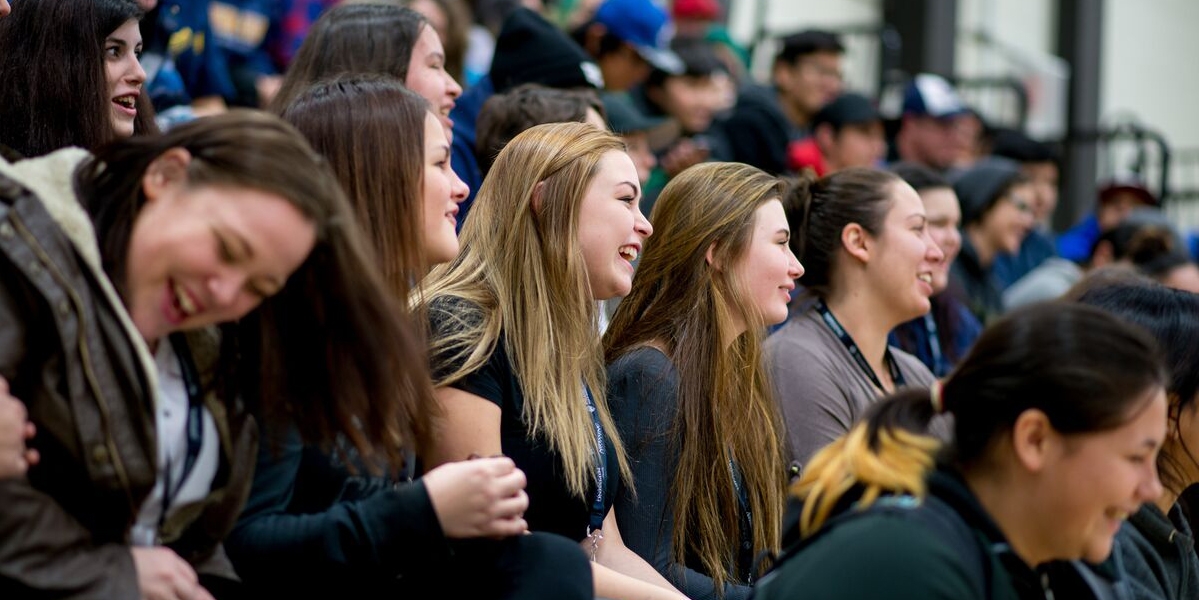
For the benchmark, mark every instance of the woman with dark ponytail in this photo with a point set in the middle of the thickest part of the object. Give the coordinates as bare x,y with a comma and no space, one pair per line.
862,237
1059,411
1156,545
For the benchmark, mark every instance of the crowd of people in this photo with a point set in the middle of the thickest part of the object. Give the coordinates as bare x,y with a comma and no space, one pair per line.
403,298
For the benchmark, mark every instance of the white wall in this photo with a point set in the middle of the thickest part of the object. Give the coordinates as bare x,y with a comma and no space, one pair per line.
1148,63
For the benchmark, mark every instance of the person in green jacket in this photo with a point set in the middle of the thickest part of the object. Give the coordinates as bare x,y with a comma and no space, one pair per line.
1059,411
1156,545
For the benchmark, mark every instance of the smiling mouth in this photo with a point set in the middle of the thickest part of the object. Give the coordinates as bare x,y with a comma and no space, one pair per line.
628,253
183,301
127,102
926,278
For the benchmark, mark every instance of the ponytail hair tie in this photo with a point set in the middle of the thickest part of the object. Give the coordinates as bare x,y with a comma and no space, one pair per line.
936,396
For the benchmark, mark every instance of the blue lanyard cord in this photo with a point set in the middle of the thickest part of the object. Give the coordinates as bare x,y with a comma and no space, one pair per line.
934,345
601,465
856,353
195,424
746,551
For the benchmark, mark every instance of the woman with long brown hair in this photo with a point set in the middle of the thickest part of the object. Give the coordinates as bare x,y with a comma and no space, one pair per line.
376,535
688,388
515,320
141,405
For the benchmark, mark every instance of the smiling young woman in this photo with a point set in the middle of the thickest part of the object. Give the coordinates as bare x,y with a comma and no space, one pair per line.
140,403
555,229
80,84
1058,413
863,239
1156,545
388,535
688,388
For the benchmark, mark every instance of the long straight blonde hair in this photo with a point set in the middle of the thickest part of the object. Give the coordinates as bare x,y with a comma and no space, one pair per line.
521,273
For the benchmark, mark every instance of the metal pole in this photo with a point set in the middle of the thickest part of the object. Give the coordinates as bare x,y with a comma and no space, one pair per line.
1080,37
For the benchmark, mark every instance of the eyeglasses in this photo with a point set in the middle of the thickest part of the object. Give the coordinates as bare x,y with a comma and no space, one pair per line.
1020,202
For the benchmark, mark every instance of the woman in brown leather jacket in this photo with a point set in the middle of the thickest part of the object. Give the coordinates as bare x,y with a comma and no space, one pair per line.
143,468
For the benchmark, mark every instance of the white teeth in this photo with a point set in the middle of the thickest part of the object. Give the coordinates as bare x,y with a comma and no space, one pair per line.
185,302
925,277
629,253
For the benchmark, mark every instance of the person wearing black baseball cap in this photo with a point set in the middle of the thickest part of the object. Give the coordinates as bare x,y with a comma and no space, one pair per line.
847,132
529,49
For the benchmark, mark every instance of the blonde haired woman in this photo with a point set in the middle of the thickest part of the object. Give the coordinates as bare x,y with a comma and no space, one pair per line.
515,344
688,387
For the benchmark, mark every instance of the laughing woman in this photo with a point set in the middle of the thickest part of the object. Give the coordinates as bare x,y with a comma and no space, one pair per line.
688,388
71,75
315,526
233,218
1156,545
1058,412
869,259
517,358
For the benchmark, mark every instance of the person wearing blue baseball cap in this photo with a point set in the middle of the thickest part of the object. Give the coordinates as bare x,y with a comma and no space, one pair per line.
627,39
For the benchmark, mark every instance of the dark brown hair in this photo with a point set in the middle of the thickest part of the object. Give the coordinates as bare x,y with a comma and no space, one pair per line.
505,115
1172,317
349,39
332,351
55,91
818,210
1085,369
371,131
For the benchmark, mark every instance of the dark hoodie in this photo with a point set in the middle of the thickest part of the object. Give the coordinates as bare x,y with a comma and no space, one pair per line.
1158,552
946,547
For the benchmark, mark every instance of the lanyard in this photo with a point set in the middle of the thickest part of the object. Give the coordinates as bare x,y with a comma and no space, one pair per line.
934,344
856,353
601,466
746,552
195,423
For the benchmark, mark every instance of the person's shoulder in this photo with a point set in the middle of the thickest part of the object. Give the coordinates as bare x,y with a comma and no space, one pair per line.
903,559
641,360
912,367
803,333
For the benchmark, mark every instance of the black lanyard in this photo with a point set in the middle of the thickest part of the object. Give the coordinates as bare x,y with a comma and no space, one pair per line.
746,552
195,423
601,466
934,344
856,353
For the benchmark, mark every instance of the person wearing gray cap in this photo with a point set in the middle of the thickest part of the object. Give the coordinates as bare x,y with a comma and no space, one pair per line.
996,215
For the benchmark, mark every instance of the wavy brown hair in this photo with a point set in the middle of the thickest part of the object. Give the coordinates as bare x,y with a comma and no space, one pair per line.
332,351
726,412
522,274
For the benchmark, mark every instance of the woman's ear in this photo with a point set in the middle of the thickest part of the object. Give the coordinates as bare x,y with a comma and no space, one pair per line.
166,172
538,194
855,240
710,256
1033,439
